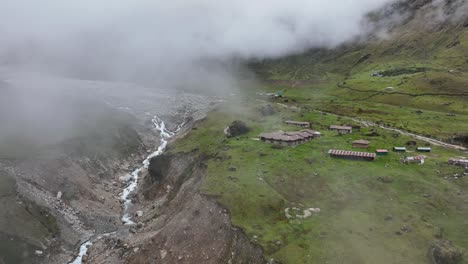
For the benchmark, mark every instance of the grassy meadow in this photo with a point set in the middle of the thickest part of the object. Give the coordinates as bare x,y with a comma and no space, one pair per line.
361,213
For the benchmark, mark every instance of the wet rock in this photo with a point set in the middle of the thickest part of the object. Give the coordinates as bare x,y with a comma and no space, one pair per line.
84,259
406,229
443,252
236,128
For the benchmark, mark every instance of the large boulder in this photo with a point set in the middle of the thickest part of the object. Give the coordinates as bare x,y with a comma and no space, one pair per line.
237,128
443,252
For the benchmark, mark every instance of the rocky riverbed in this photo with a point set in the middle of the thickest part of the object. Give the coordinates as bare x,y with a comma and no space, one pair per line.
83,179
61,173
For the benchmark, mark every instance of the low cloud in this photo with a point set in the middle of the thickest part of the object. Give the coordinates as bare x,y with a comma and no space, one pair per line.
154,40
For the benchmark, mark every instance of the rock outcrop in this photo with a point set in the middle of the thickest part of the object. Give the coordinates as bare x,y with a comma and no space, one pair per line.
182,225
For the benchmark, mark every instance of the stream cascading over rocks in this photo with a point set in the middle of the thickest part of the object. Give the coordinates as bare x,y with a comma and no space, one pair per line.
165,135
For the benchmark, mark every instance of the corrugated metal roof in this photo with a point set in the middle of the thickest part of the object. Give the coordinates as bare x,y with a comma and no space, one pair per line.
381,150
289,136
459,160
297,122
351,153
361,141
341,127
423,148
399,148
416,158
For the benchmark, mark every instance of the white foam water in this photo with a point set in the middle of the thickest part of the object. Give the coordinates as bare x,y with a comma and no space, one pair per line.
83,251
165,136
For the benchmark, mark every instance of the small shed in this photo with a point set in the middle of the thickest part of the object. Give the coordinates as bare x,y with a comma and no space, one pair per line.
361,143
381,152
347,154
399,149
458,162
297,123
341,129
414,160
424,149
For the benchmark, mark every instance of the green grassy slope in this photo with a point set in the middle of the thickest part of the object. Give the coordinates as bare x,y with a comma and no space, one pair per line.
364,205
428,70
354,202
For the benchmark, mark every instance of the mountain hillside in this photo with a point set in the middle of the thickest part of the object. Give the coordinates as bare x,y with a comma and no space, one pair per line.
418,53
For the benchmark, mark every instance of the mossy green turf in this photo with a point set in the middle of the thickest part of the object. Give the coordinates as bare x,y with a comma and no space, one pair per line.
351,227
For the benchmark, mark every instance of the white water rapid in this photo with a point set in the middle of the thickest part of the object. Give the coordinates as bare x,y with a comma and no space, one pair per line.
165,135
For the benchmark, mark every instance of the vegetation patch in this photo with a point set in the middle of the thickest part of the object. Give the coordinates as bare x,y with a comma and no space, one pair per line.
401,71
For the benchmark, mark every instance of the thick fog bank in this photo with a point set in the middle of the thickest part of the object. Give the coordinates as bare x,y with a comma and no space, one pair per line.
164,40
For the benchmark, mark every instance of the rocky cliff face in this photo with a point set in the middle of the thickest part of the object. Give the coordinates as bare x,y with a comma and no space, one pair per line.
176,224
192,228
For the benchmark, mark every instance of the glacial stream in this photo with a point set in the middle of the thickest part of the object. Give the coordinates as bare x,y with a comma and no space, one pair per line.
165,135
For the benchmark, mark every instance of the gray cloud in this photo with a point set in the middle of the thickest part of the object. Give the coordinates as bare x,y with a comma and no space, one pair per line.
153,39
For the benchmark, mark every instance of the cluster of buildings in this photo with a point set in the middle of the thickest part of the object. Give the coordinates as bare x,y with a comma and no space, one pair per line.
293,138
361,143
